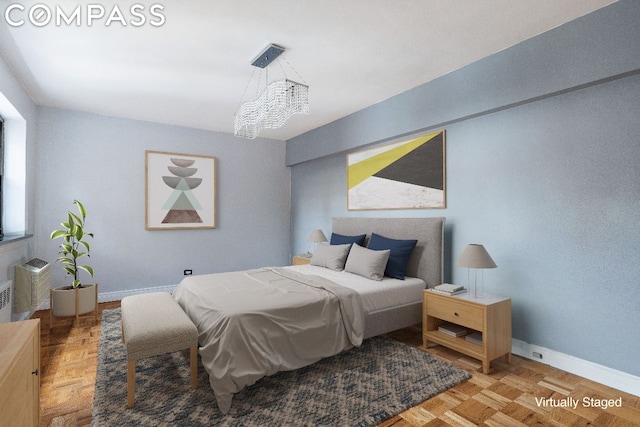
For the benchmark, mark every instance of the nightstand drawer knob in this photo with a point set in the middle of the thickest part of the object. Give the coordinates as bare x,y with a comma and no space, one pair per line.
456,314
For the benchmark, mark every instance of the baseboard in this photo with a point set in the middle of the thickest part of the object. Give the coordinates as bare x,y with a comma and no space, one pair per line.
118,295
593,371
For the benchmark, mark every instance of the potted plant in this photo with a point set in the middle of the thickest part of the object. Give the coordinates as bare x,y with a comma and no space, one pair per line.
77,298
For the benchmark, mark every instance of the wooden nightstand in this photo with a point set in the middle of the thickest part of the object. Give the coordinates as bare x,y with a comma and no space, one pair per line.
299,260
490,315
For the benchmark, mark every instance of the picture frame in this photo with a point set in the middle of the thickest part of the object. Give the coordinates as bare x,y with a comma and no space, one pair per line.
180,191
405,174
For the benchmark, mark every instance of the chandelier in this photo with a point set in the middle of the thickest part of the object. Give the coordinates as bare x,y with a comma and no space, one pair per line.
278,101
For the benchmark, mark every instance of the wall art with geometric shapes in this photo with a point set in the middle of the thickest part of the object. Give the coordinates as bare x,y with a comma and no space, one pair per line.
180,191
408,174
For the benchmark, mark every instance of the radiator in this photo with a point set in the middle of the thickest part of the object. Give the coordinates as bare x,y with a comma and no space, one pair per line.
5,302
33,281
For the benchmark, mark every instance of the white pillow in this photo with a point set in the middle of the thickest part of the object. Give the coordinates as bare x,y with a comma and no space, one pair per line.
330,256
367,262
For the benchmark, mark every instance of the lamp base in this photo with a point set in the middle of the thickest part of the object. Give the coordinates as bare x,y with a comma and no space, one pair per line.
476,293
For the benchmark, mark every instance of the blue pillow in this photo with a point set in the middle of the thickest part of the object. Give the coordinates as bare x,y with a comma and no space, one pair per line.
399,256
339,239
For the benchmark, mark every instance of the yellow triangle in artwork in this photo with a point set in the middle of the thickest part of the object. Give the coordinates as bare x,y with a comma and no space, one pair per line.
358,172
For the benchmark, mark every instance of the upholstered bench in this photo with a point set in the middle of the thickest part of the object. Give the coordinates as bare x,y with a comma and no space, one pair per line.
154,324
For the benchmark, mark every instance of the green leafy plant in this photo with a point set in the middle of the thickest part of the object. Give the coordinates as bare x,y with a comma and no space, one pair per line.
74,246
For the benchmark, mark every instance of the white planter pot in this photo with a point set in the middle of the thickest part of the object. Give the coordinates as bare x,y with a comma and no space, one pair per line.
63,301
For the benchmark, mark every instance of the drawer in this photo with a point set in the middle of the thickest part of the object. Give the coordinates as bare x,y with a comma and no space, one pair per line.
458,312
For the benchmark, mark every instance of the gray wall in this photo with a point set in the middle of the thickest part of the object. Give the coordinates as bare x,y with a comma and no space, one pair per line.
543,144
101,161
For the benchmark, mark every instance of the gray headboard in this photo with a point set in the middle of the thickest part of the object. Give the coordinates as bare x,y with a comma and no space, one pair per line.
426,261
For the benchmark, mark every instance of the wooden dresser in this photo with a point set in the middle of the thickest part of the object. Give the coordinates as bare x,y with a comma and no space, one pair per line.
20,373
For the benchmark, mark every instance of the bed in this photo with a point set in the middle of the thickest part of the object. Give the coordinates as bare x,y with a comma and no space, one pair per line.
255,323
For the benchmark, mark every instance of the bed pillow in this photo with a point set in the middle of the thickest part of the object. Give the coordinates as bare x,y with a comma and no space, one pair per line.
330,256
367,262
339,239
398,258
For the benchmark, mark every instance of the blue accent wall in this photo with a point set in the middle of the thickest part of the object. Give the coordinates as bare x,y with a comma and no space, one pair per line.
543,148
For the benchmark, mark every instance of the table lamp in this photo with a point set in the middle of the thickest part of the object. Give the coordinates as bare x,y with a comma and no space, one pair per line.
317,236
475,256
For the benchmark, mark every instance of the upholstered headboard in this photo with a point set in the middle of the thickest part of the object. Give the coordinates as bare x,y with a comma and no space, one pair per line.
426,261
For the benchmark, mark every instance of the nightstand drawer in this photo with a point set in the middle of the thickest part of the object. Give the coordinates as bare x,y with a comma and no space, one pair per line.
456,311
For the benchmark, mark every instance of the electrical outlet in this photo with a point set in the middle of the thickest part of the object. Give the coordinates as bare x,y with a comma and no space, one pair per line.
188,272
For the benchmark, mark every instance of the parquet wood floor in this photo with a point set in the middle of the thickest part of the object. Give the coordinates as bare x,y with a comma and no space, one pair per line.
504,397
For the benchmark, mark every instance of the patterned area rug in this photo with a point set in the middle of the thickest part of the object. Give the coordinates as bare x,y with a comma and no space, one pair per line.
359,387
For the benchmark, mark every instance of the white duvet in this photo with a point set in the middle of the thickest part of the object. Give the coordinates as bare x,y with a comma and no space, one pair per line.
258,322
376,295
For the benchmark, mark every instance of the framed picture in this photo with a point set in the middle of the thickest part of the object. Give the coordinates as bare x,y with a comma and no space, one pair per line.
180,191
407,174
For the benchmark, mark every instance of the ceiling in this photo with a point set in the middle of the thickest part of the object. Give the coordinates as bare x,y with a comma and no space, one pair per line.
194,68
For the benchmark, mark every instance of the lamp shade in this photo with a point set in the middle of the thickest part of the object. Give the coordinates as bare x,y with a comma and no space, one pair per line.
475,256
317,236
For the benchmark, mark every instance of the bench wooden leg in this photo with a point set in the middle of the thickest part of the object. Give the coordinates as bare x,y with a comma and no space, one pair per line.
131,383
194,367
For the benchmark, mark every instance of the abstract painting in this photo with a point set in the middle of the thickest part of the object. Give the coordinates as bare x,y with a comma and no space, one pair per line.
180,190
407,174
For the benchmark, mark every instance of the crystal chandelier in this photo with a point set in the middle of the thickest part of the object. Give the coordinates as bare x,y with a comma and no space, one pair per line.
279,100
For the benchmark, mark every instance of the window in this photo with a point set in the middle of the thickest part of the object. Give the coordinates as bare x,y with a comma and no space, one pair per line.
13,171
1,170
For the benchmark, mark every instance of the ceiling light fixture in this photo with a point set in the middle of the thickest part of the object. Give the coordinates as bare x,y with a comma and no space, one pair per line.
278,101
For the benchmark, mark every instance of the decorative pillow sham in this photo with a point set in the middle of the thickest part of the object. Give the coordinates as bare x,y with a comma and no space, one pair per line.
339,239
367,262
330,256
399,256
